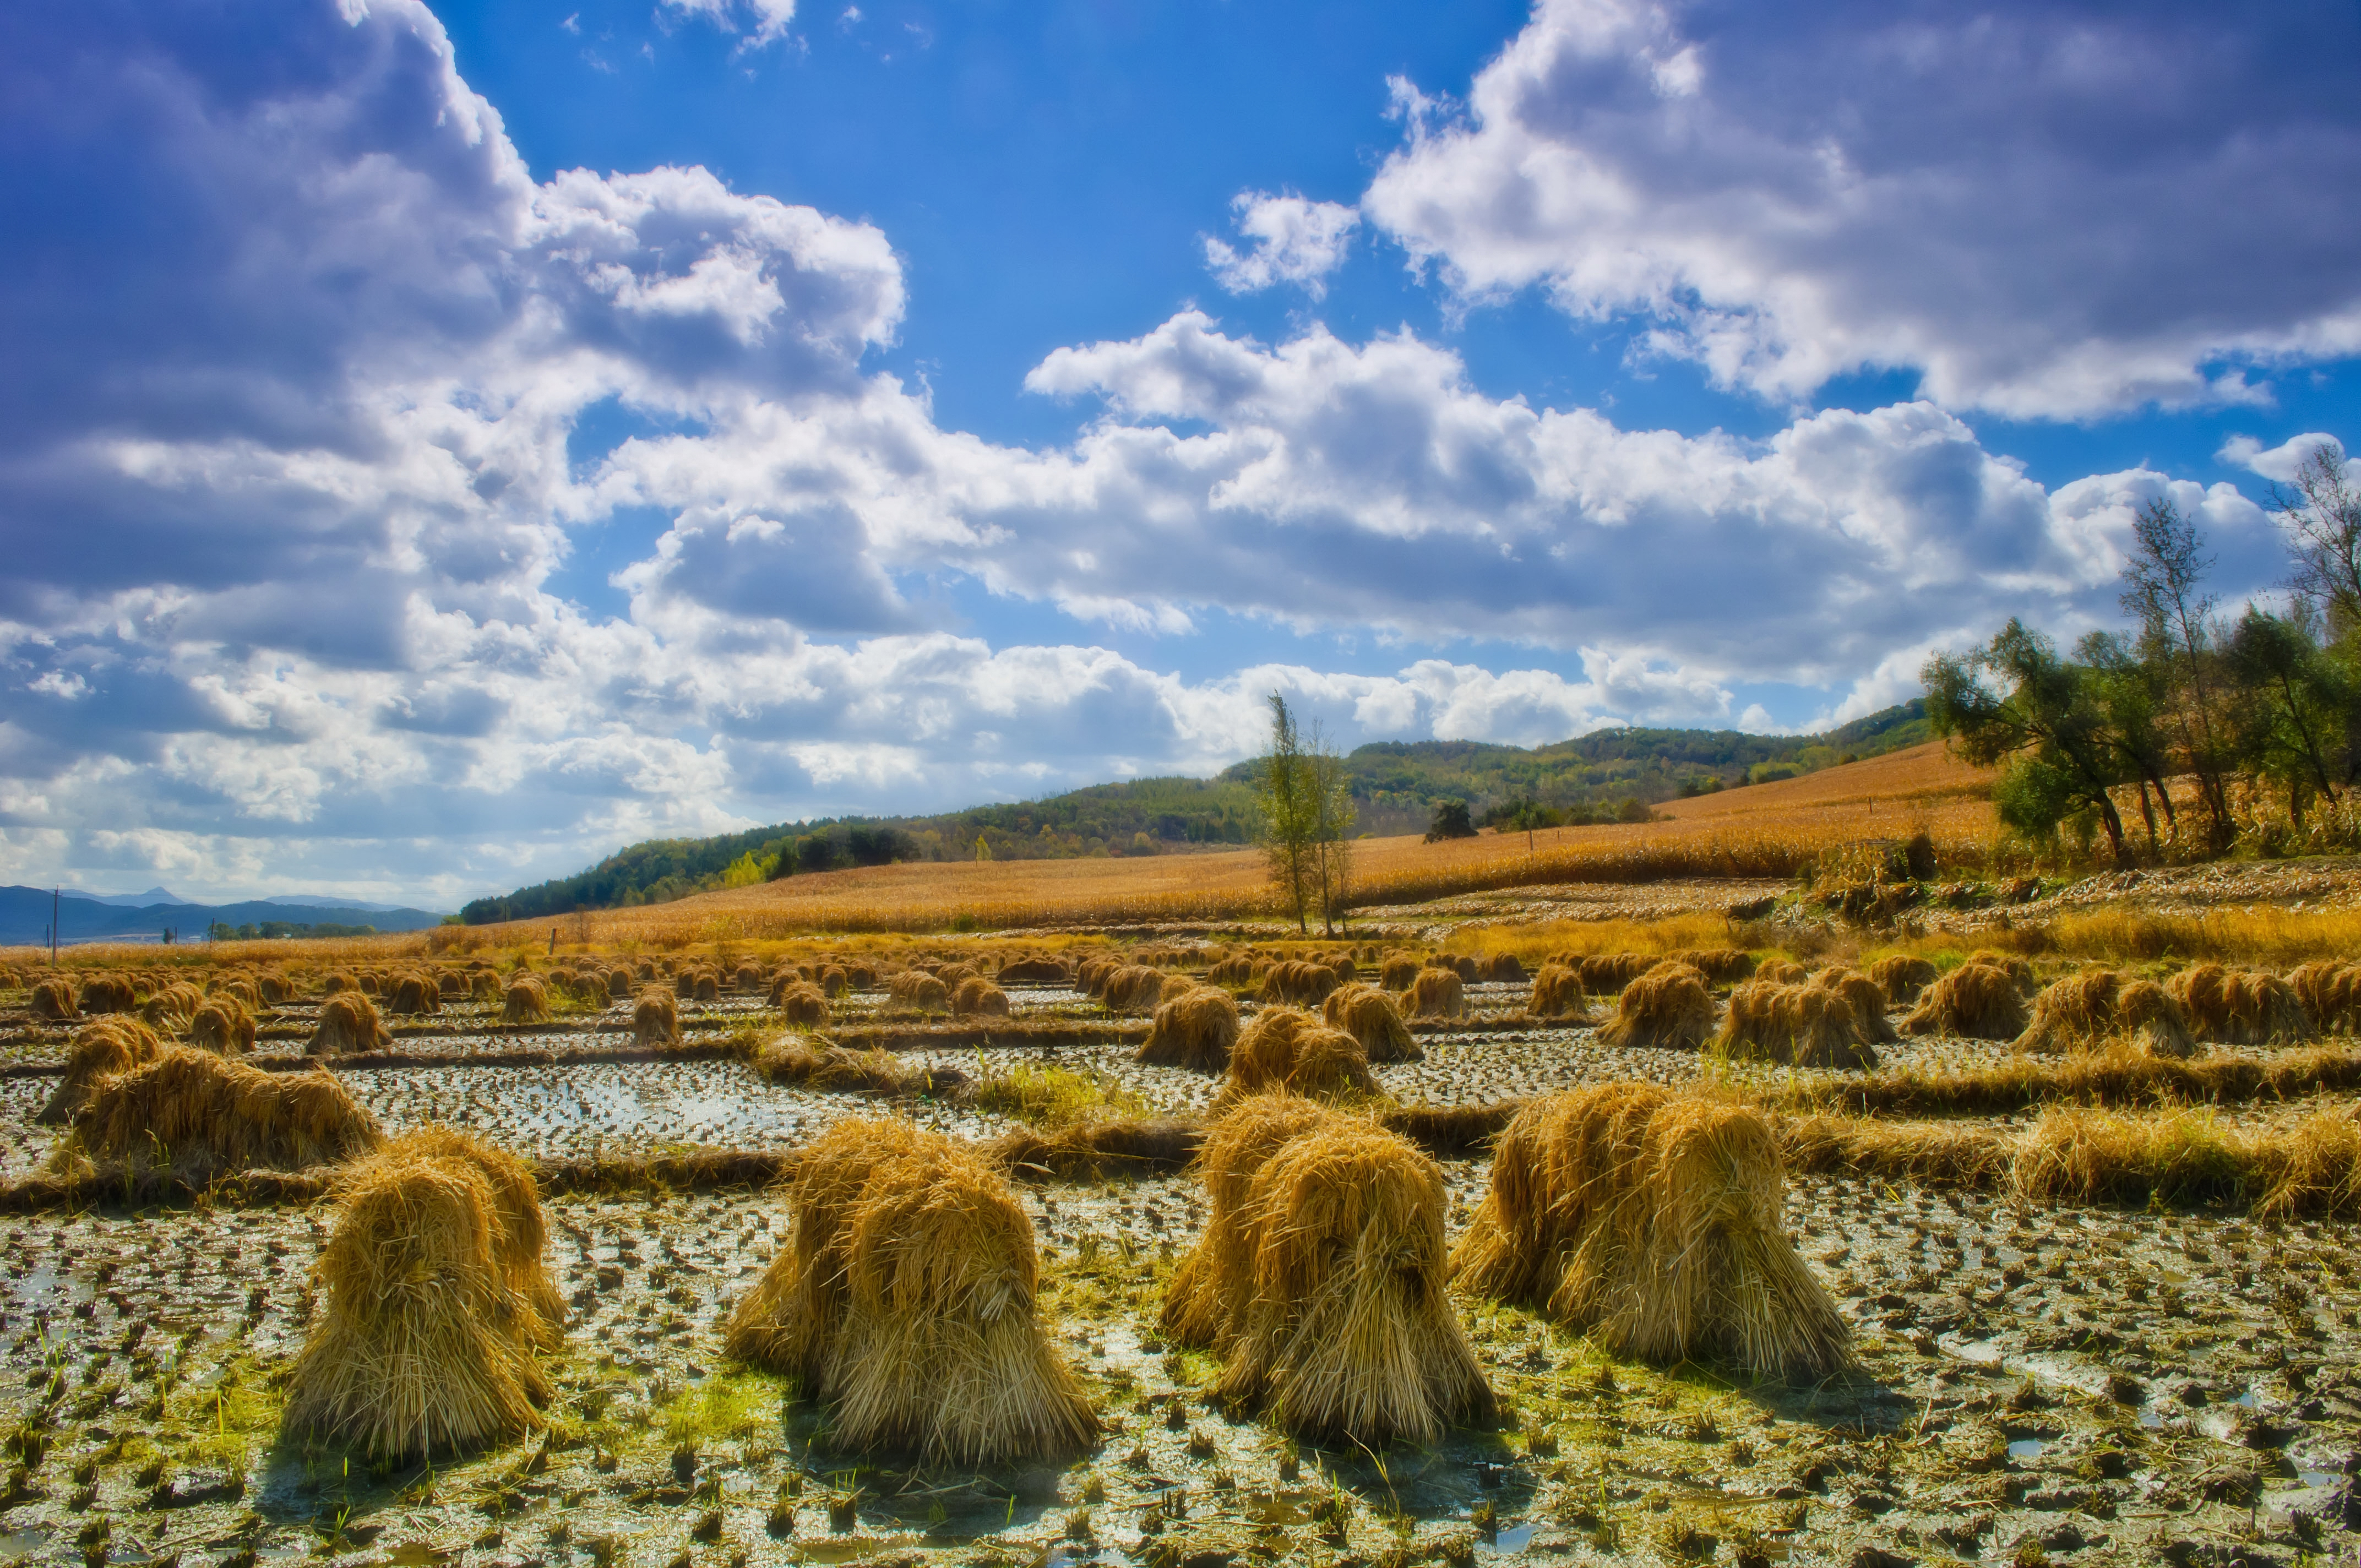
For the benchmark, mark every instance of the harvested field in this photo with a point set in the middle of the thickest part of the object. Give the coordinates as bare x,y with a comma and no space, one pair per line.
2101,1302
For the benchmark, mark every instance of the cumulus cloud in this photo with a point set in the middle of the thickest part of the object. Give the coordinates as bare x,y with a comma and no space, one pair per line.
2277,464
1290,240
285,474
2048,211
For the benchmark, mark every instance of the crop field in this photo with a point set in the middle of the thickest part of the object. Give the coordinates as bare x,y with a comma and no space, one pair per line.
2008,1264
1762,831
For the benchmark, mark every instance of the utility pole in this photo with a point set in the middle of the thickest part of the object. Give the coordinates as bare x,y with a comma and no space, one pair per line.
56,896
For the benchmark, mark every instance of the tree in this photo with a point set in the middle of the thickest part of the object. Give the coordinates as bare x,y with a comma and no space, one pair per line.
2293,708
1332,816
2322,516
2018,702
1288,812
1451,821
2163,590
2132,694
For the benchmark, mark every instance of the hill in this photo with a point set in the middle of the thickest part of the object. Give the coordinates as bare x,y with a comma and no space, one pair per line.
1773,830
1395,784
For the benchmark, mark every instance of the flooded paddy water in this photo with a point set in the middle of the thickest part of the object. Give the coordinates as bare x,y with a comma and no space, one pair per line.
2035,1383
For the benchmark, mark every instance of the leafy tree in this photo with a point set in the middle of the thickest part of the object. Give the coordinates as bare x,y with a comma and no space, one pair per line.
2132,694
2294,707
1451,821
1287,796
2018,702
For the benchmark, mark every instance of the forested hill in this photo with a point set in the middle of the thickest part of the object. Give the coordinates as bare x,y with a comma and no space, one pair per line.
1395,784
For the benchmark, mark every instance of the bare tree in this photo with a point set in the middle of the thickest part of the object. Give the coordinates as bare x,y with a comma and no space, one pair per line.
2164,591
2322,516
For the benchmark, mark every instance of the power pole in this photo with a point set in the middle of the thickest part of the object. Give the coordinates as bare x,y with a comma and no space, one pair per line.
56,895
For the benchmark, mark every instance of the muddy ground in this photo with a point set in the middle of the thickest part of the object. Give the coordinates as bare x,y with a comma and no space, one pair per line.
2038,1385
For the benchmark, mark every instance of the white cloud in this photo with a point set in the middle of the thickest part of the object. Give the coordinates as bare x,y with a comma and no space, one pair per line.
2049,211
1291,240
764,21
2277,464
285,504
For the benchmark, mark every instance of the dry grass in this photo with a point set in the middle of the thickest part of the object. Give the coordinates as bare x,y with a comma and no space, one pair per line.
200,1115
349,1023
2118,1073
1812,1024
1558,992
1668,1008
905,1301
100,1051
2239,1007
1977,1001
655,1018
1654,1221
793,1059
436,1296
1319,1279
1285,1051
2307,1165
1369,1013
1197,1030
1436,994
2078,1011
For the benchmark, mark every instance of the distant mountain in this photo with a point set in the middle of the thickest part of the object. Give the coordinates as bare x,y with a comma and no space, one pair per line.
148,900
25,918
1394,786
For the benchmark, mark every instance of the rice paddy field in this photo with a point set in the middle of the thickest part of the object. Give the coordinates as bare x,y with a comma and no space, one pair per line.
2092,1303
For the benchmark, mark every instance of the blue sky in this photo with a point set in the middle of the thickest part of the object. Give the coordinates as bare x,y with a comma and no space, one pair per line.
448,442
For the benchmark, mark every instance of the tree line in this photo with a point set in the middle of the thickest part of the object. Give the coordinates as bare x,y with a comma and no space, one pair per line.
2216,729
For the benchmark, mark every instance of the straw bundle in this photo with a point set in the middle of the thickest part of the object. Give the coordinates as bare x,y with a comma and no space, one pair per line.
1503,966
1320,1277
905,1301
484,985
1558,993
1868,999
426,1345
2331,994
705,985
1196,1029
2019,971
100,1050
655,1020
2239,1007
1136,988
1368,1015
107,993
1653,1221
1398,971
618,985
1342,966
348,1022
171,1008
54,1001
1034,971
526,1001
1782,971
200,1115
1287,1050
372,983
1720,966
1296,983
1437,994
1603,973
803,1003
918,989
750,977
977,997
222,1027
1902,977
1977,1001
833,981
2078,1011
1801,1026
413,993
337,982
1668,1008
275,990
